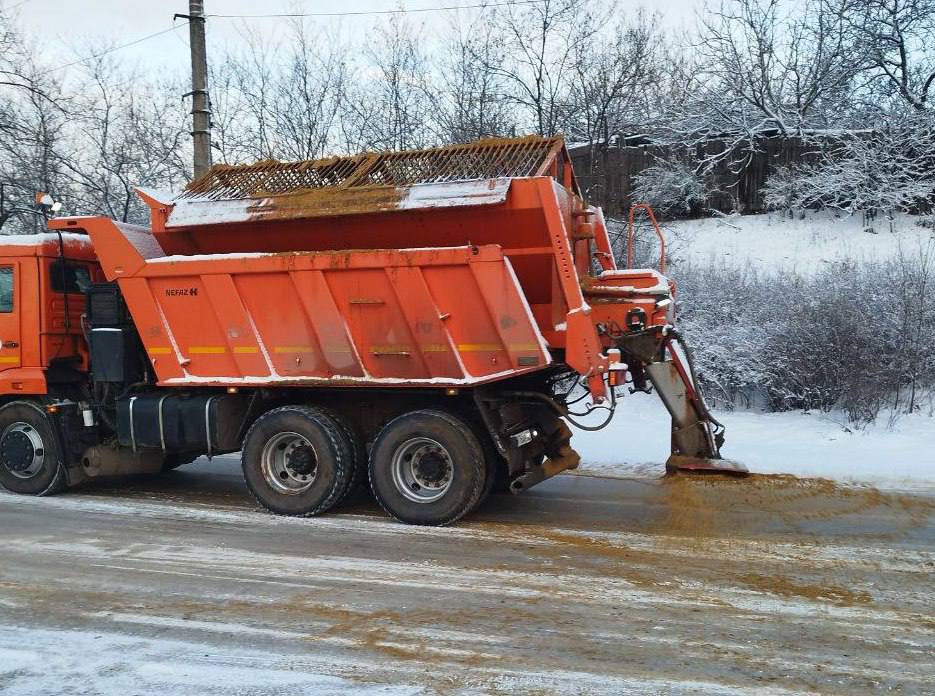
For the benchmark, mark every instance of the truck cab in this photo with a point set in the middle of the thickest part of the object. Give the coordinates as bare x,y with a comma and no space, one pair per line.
43,279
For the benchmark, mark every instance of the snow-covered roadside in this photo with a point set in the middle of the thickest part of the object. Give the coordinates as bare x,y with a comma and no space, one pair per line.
773,242
105,662
636,443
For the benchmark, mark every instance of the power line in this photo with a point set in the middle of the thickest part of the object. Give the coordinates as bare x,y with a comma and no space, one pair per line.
287,14
94,56
377,12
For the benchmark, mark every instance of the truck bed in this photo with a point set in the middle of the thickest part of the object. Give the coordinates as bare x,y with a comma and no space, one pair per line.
445,316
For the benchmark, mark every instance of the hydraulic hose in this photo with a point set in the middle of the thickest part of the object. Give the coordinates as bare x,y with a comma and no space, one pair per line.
700,402
563,411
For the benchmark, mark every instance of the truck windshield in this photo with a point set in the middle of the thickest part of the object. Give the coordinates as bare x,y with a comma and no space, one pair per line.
75,278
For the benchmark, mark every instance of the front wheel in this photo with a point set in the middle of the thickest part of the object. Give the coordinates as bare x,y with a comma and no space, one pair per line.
427,467
29,459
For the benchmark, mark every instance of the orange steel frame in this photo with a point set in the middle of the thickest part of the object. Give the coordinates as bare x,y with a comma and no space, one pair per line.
645,207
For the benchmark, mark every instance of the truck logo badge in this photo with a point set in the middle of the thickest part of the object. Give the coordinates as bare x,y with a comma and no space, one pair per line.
182,292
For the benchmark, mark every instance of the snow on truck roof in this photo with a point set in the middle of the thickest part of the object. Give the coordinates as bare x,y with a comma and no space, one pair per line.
476,173
44,244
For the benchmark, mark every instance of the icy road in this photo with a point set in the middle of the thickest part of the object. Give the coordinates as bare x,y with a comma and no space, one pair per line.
177,585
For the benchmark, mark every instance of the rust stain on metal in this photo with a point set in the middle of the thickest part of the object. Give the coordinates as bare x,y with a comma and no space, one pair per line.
325,201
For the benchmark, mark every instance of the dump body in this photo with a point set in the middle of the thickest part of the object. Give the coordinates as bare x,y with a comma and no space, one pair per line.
446,316
446,282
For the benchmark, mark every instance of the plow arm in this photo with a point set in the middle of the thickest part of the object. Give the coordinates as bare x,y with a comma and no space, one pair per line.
697,436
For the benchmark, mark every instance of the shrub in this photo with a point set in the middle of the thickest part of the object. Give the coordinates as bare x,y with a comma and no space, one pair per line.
671,186
854,336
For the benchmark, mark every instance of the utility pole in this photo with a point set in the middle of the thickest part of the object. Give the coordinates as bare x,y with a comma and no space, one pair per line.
201,104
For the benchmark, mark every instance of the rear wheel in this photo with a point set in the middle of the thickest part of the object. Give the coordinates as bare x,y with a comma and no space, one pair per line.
297,460
29,459
427,467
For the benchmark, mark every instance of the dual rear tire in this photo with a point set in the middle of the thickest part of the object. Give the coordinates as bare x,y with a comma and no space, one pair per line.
428,468
298,460
425,467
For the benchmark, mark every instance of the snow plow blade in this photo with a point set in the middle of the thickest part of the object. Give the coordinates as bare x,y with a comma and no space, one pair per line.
678,462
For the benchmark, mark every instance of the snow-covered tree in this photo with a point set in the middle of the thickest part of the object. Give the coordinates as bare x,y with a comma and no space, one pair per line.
885,170
896,41
671,186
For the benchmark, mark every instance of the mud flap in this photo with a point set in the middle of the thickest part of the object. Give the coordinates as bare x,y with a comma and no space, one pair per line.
559,457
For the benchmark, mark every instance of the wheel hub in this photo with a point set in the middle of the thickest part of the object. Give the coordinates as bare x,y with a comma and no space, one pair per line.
430,468
21,450
289,463
301,460
422,469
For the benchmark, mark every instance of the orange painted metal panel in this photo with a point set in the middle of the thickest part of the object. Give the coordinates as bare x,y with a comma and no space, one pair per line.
446,316
337,346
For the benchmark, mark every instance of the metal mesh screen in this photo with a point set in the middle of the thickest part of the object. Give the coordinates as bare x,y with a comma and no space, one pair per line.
485,159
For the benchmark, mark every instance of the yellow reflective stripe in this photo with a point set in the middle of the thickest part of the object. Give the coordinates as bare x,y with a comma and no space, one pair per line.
397,348
478,347
7,359
246,349
293,349
159,350
206,350
434,348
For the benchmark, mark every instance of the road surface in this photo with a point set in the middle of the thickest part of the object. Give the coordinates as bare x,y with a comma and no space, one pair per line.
177,584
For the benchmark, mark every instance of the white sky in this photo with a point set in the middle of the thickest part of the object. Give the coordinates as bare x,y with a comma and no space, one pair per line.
70,24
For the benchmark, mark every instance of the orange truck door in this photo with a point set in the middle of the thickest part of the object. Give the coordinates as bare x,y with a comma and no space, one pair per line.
10,351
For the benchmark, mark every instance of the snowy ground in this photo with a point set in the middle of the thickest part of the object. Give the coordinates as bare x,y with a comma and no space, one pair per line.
773,242
803,444
177,584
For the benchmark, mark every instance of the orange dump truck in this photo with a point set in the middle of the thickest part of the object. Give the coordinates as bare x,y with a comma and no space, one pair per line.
422,320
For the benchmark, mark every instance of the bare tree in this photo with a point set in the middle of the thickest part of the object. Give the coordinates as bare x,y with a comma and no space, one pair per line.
471,65
33,122
613,93
391,108
897,40
615,79
253,72
784,64
309,94
127,133
540,41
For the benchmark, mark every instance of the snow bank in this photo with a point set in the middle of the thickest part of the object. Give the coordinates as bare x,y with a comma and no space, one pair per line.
636,443
773,242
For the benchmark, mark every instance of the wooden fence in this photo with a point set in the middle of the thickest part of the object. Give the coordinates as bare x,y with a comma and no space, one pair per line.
607,174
